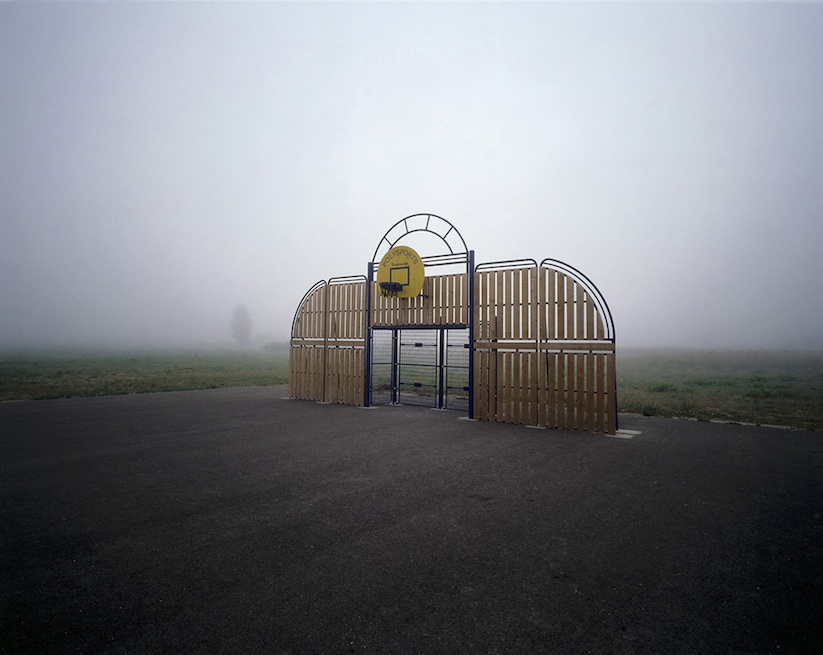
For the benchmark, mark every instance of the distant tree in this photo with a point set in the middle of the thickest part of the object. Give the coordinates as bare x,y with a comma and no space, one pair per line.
241,325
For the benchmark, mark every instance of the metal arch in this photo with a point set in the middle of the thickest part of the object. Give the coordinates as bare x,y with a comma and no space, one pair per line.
346,279
586,283
512,263
317,285
427,228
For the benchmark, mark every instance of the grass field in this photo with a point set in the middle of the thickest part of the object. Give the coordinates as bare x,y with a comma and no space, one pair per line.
763,387
41,375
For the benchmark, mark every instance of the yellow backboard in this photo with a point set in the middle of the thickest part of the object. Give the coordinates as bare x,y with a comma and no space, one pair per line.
401,272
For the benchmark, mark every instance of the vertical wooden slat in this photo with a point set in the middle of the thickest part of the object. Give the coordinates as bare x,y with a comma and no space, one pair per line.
581,391
599,392
486,300
525,388
481,372
590,391
590,331
515,278
557,390
509,386
515,383
534,389
454,300
564,373
611,405
509,305
465,286
571,405
533,304
560,304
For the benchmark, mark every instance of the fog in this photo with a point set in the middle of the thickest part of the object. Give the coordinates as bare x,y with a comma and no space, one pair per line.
164,163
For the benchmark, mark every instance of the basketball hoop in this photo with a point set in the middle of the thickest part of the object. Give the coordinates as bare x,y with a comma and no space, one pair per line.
390,289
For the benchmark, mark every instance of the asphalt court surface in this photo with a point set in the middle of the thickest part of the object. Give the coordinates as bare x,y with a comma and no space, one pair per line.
238,521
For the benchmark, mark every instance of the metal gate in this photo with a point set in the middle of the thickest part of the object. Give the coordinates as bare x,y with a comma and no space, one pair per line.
428,367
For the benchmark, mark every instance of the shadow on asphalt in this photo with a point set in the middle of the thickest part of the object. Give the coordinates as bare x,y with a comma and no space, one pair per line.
238,521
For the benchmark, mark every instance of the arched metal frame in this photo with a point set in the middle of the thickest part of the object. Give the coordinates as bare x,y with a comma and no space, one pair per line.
458,253
431,224
523,328
330,340
590,286
321,342
306,296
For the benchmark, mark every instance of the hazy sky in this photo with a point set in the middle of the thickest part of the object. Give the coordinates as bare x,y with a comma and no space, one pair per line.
161,163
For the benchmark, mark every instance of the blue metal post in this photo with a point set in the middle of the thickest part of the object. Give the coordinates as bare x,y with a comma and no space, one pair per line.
470,266
367,372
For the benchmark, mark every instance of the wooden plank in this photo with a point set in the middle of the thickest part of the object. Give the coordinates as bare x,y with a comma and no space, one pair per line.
542,381
487,304
508,323
612,401
463,298
430,302
534,305
330,317
361,310
328,388
525,388
515,303
515,388
349,304
456,298
553,389
350,311
541,309
509,345
477,309
578,346
481,372
590,332
332,342
333,312
359,364
560,290
344,375
571,387
600,397
590,391
351,377
479,313
580,324
508,388
581,391
534,389
356,310
563,400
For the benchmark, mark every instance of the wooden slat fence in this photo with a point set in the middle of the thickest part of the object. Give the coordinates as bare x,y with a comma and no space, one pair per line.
544,349
444,300
328,344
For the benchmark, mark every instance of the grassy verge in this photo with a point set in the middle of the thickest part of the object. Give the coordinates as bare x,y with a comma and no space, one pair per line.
763,387
45,375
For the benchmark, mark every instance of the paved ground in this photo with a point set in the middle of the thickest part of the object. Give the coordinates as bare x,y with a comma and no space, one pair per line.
234,521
